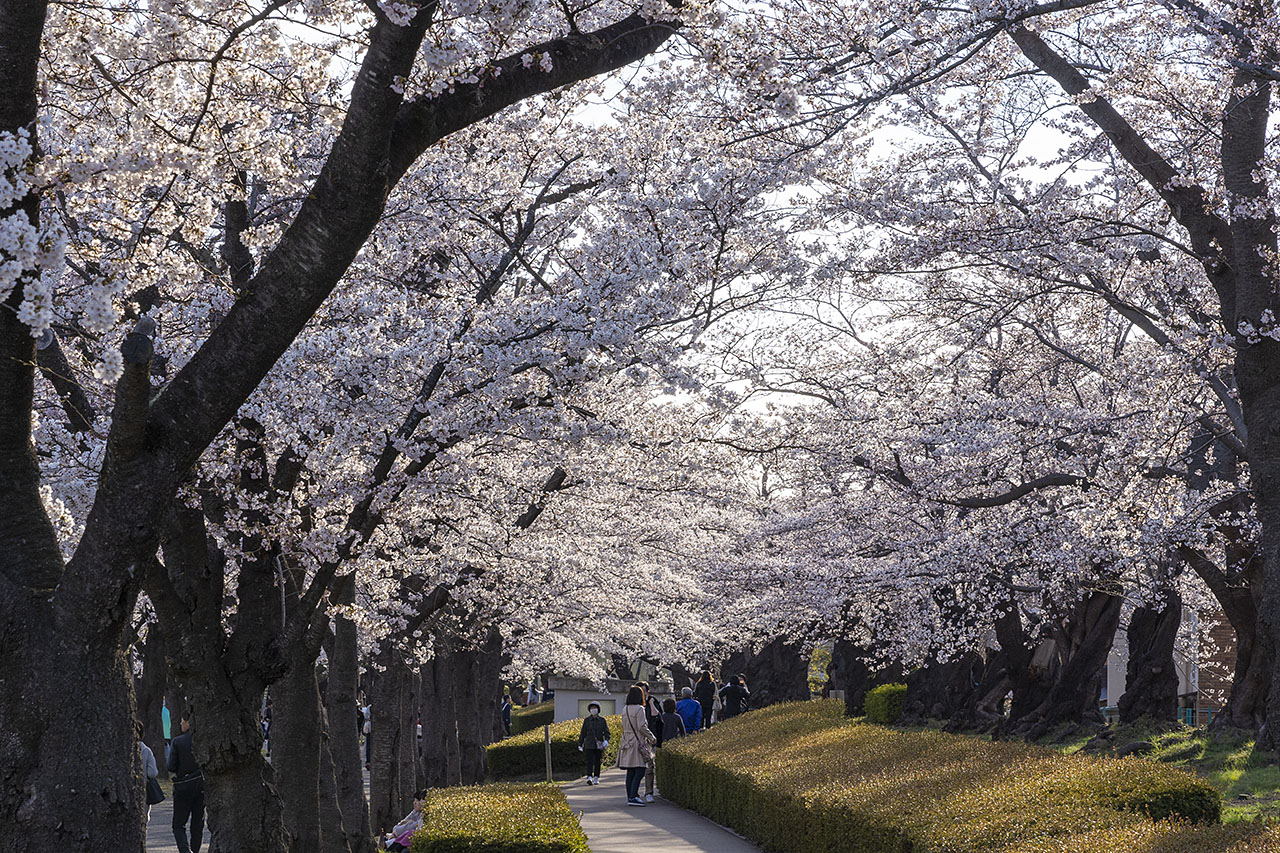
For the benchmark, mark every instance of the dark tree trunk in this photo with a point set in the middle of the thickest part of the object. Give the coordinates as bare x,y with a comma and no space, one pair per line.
777,673
385,707
296,728
1080,655
441,751
410,703
849,671
681,677
938,691
222,678
344,735
150,688
622,667
1151,677
474,713
333,836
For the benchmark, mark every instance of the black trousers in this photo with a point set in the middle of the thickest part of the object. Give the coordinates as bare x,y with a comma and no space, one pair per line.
188,803
593,761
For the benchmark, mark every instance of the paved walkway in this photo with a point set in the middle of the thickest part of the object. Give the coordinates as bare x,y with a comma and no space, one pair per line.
660,827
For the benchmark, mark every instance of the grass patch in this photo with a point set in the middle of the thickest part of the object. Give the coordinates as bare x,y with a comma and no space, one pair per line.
499,819
800,778
1248,779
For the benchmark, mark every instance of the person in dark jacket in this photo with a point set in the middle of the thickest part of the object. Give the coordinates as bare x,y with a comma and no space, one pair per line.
506,714
734,695
690,711
593,741
672,723
188,789
705,693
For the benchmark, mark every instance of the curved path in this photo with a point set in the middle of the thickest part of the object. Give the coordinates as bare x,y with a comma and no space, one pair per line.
660,827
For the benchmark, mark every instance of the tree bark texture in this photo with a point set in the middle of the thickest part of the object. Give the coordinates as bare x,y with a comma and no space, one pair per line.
386,707
776,673
1151,676
344,735
296,732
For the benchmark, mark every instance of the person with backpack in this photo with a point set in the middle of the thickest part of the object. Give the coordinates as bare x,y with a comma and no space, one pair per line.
705,693
593,740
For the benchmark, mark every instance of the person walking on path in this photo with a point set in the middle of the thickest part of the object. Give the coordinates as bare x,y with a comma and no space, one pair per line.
188,789
150,772
690,711
653,716
734,695
672,723
705,693
636,750
593,741
506,714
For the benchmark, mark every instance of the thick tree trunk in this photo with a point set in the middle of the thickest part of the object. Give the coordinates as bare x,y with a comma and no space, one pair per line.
1082,649
295,752
344,736
777,673
937,691
472,717
1151,678
333,836
386,700
72,779
410,703
240,786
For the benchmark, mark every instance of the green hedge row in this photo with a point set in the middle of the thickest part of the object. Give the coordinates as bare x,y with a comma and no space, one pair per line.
801,778
883,704
532,717
499,819
524,754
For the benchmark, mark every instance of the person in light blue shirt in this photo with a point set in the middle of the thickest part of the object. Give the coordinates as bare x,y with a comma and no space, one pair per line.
164,721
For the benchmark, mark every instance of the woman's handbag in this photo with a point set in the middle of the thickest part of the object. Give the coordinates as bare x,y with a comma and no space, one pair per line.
155,793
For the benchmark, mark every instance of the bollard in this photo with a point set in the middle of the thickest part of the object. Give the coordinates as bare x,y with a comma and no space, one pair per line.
546,738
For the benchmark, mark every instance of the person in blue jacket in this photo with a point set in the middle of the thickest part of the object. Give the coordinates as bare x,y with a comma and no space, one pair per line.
690,710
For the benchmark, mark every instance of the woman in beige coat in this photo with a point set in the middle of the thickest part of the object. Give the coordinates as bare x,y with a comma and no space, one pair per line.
637,744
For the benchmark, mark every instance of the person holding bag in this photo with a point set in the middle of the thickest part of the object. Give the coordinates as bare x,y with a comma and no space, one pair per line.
636,750
150,772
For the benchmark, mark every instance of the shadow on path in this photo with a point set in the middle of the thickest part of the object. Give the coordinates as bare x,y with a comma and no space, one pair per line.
660,827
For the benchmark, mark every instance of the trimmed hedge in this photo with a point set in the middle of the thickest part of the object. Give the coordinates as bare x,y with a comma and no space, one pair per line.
532,717
883,704
524,754
499,819
801,778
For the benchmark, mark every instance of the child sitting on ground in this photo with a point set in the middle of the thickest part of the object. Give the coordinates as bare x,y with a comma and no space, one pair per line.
402,833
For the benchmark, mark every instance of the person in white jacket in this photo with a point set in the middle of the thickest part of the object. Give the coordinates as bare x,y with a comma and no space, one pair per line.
149,768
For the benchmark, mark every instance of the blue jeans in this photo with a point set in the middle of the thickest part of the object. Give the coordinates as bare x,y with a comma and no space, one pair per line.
635,775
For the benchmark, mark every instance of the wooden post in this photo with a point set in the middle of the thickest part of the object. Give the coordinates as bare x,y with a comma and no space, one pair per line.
546,739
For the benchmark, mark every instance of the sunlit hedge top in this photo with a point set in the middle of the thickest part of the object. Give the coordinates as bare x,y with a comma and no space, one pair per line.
934,791
499,819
